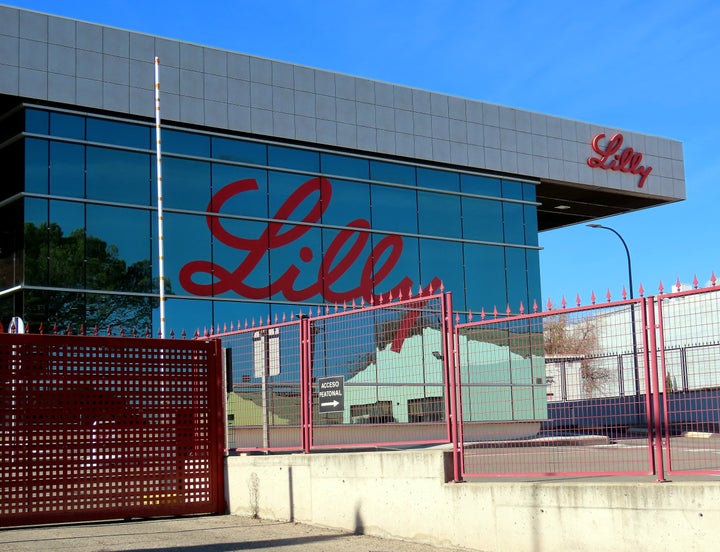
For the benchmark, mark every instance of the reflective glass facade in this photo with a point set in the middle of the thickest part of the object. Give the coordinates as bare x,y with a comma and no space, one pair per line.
251,228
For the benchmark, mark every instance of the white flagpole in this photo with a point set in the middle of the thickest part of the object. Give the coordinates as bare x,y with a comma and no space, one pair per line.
158,155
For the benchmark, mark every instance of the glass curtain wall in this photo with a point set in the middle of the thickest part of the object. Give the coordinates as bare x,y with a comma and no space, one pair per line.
251,229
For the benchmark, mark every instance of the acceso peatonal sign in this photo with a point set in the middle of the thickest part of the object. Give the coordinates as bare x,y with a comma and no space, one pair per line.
331,394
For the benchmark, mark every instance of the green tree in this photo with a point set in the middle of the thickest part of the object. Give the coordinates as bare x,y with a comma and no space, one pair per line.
79,262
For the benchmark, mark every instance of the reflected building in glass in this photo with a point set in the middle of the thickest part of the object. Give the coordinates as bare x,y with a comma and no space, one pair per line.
283,185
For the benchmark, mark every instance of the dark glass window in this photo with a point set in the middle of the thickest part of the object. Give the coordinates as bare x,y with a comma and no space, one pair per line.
241,258
400,274
11,245
482,219
531,224
55,310
516,278
295,266
341,165
394,209
348,265
529,192
512,189
67,126
292,158
66,238
120,134
513,223
485,277
186,184
439,180
348,201
67,169
36,121
248,198
186,239
439,214
36,166
183,143
118,249
480,185
36,242
533,275
444,260
294,197
382,171
120,176
239,151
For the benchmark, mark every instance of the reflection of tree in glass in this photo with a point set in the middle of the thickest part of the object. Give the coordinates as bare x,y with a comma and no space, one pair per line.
76,261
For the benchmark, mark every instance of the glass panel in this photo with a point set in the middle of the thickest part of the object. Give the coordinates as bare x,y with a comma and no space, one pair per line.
183,143
392,172
512,189
55,309
67,126
394,209
295,197
67,170
188,267
186,184
66,238
439,214
36,242
531,224
295,266
482,220
11,245
396,264
240,191
239,151
36,166
341,165
448,258
440,180
241,259
485,277
120,176
529,192
349,201
292,158
185,315
533,272
480,185
121,134
348,265
36,121
117,312
516,278
238,313
514,228
118,249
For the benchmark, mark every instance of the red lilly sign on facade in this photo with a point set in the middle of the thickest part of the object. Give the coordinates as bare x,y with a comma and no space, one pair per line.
627,161
341,256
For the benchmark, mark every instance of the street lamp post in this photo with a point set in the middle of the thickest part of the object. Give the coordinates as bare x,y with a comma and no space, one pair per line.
632,313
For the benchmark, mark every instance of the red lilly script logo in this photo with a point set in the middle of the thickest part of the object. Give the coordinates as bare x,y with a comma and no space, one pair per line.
352,240
628,161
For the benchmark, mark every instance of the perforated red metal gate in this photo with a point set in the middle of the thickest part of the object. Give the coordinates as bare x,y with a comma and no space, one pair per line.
109,427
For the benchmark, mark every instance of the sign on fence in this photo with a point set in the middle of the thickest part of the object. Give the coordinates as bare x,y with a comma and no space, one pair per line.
331,396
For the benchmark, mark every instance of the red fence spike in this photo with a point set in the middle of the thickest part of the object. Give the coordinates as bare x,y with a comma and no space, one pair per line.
148,334
172,334
183,334
535,305
482,313
608,295
712,278
122,331
641,290
660,287
695,282
577,299
549,304
134,332
592,298
495,312
678,284
55,330
470,316
563,303
442,287
522,308
507,309
40,329
624,293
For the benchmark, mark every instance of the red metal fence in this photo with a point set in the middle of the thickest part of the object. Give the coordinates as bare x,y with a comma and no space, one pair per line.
623,387
109,427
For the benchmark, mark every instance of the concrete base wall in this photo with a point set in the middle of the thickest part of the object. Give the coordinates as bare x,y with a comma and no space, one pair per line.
405,495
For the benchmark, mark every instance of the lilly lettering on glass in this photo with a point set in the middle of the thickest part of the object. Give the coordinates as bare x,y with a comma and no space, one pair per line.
341,254
627,161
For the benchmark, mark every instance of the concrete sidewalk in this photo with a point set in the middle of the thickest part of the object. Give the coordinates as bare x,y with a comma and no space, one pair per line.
196,534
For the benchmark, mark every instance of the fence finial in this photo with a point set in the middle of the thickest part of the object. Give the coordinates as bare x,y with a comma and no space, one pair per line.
660,287
712,278
678,284
624,293
608,295
563,303
577,299
695,281
641,290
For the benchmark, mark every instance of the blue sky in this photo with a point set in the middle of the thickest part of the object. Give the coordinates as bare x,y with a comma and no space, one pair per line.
645,66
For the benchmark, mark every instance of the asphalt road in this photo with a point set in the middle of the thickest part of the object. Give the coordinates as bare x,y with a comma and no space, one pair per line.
197,534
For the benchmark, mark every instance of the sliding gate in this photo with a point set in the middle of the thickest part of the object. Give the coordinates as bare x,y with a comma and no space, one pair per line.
109,427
